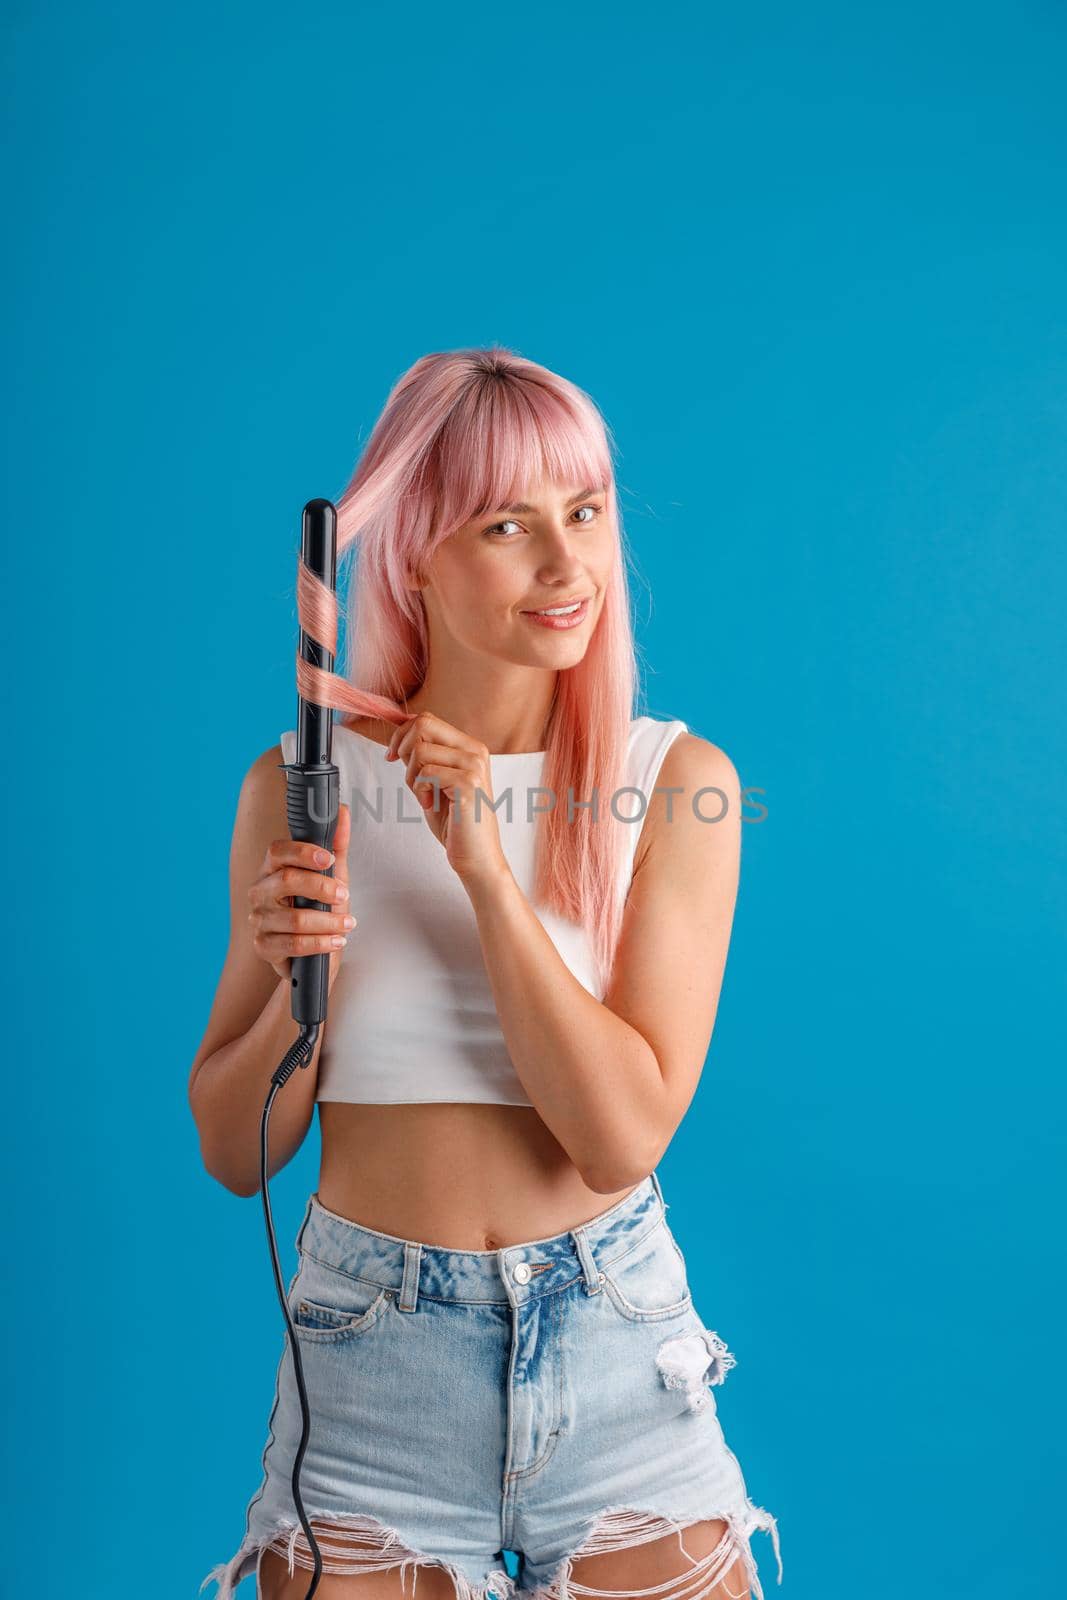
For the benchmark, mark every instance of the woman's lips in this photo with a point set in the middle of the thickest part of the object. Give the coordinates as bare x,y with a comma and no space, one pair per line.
571,620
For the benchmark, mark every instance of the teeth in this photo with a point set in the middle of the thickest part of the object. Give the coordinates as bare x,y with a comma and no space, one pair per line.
559,611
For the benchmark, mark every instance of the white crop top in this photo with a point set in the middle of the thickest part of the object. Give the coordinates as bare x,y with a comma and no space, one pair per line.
411,1015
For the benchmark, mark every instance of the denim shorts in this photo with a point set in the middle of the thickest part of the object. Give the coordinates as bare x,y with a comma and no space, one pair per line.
552,1399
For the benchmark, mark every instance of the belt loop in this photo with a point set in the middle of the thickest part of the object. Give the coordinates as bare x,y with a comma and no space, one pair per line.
409,1288
658,1189
303,1225
585,1256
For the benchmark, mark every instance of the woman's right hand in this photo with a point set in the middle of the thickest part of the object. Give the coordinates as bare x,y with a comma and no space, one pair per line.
281,930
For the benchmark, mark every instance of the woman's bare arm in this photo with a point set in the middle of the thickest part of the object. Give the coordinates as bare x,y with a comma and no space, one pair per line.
612,1079
251,1026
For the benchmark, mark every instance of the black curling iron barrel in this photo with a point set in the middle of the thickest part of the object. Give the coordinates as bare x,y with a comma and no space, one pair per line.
312,780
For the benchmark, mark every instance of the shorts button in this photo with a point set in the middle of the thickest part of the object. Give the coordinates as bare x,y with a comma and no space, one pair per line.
521,1273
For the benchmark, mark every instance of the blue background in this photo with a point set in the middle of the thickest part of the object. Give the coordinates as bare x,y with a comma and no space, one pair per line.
810,262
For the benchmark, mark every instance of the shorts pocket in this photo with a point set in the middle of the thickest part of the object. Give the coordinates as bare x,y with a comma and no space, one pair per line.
648,1282
327,1304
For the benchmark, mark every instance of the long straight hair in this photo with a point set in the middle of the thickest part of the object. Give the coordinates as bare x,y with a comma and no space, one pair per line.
464,432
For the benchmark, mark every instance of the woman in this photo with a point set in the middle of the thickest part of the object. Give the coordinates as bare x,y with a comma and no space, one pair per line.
498,1337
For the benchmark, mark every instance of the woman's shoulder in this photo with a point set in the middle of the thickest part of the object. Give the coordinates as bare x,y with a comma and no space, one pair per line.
696,760
685,762
671,743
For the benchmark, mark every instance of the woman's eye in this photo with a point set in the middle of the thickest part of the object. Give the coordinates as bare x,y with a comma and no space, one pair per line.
509,523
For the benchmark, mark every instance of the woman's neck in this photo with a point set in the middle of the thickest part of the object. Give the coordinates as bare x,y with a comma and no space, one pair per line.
504,728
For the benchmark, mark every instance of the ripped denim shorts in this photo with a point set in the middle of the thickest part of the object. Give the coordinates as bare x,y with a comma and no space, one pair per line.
552,1399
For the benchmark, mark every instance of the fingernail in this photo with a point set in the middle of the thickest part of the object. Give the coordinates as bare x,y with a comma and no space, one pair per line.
338,942
323,858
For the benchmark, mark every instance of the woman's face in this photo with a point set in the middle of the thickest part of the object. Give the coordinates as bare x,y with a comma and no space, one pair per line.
552,548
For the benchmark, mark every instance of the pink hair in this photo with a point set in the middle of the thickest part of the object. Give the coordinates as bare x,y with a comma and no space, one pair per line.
465,432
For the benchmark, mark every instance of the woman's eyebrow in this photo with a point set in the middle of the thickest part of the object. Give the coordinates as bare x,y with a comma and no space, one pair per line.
521,509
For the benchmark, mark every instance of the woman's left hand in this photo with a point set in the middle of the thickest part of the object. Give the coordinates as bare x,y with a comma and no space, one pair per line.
458,815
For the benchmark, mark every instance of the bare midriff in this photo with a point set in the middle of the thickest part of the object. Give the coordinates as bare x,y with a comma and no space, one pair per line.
461,1176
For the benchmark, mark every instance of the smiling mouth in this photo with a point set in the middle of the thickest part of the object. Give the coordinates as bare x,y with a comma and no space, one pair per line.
565,608
567,615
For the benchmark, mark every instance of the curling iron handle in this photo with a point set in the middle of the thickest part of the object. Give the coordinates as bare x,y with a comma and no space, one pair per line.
312,805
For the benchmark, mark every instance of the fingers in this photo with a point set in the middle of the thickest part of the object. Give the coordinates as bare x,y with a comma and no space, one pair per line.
279,948
298,930
301,920
291,879
430,747
294,852
398,733
427,728
281,930
426,750
274,947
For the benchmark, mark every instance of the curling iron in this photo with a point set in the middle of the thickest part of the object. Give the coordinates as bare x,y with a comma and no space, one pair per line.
312,806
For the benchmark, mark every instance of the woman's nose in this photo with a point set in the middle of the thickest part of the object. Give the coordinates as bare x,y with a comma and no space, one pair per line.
561,557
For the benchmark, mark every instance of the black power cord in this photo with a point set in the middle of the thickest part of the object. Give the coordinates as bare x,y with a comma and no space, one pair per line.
298,1055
